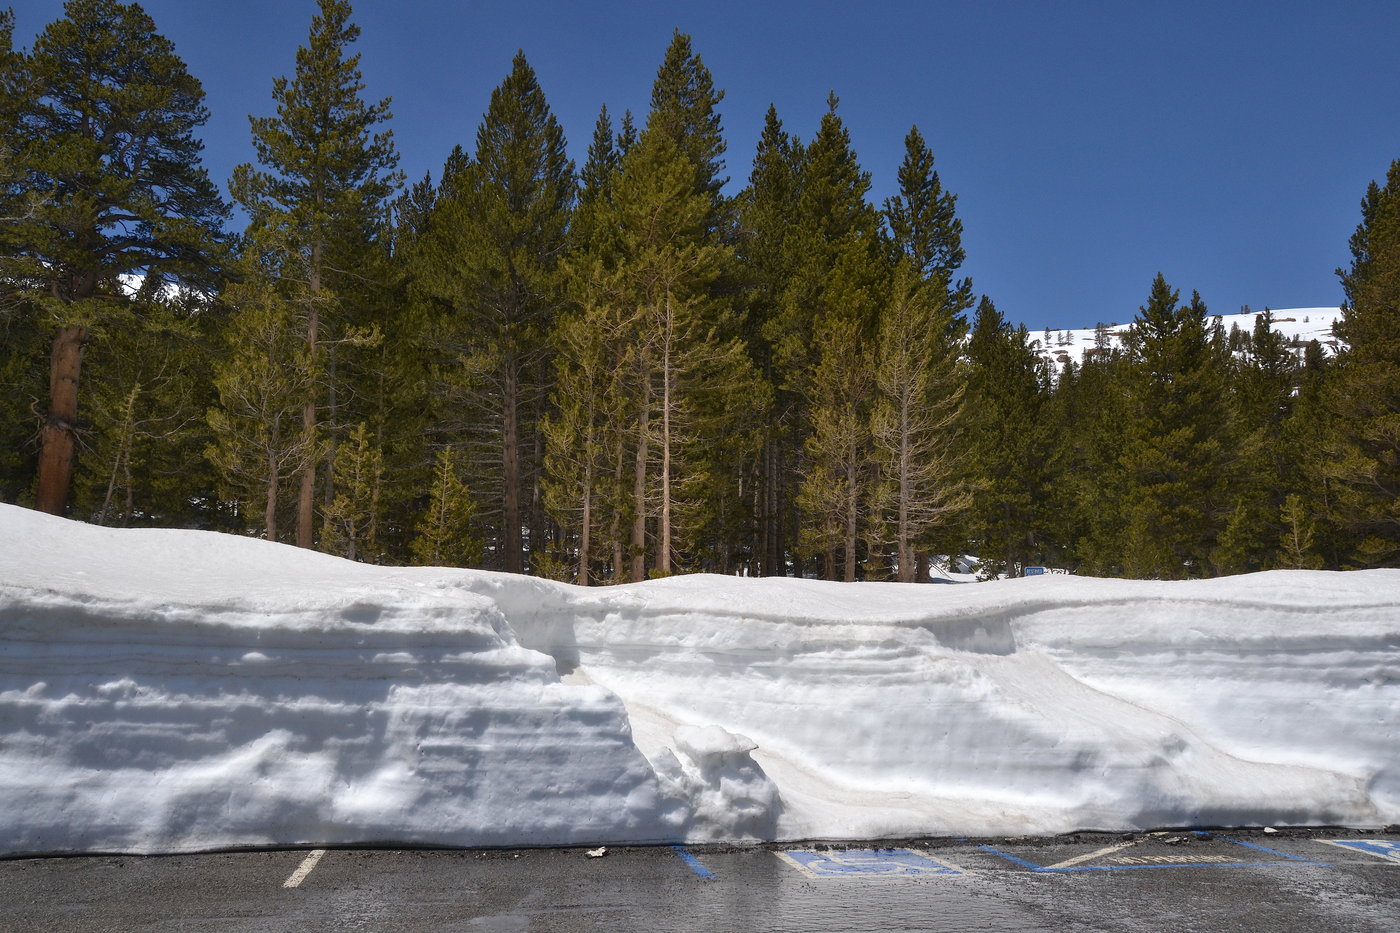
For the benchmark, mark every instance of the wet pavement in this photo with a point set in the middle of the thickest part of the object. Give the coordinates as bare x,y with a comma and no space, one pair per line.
1298,880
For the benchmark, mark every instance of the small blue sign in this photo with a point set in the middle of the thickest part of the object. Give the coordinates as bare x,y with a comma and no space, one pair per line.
848,862
1381,848
1035,571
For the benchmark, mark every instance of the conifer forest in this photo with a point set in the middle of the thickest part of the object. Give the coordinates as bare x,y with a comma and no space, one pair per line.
614,371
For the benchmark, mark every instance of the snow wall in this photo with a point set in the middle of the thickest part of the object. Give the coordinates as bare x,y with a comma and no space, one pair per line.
166,691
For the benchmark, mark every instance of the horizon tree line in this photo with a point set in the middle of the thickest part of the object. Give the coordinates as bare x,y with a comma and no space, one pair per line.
615,371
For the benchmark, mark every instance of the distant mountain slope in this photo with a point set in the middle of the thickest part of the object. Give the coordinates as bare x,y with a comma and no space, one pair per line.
1300,325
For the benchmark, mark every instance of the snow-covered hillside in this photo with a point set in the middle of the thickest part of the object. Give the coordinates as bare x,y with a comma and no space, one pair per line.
1298,325
169,690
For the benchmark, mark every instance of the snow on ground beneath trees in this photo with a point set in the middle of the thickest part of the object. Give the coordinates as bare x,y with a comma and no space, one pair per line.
166,691
1297,326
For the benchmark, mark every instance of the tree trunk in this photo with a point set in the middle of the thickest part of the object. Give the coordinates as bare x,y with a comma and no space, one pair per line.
58,435
270,509
852,517
306,496
663,551
585,533
511,556
906,555
332,414
121,463
639,489
615,516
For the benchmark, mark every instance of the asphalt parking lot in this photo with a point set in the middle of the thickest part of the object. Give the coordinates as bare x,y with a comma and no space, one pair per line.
1297,880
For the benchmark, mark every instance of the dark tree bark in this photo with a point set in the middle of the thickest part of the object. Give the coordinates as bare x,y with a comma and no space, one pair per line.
58,436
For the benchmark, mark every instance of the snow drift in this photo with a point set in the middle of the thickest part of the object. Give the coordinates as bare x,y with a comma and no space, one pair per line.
172,691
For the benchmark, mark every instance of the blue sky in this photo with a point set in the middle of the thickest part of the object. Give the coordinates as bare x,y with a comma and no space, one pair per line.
1091,144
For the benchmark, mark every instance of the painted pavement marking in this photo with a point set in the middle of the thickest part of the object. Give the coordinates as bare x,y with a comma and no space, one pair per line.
689,858
304,869
1106,850
1380,848
1107,861
845,863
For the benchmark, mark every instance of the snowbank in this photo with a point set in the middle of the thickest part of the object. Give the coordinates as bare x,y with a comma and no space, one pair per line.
168,691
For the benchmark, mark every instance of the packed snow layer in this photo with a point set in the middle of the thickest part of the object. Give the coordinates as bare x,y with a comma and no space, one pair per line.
169,691
1039,705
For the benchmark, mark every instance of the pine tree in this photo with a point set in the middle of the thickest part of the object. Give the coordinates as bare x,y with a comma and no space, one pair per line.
1007,442
583,427
768,265
683,107
144,462
1296,538
1262,391
1176,448
923,223
603,162
352,522
387,383
916,420
317,202
1089,492
684,371
24,337
104,181
262,380
1360,458
1306,435
499,236
17,201
819,336
445,537
834,492
585,433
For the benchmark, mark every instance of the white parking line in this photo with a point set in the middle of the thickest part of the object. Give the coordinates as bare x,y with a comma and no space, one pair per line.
304,869
1093,855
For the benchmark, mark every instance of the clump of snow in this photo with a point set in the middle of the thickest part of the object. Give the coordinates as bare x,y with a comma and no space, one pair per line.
173,691
731,799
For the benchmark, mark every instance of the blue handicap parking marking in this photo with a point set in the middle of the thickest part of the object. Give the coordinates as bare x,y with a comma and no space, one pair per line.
692,862
1381,848
855,862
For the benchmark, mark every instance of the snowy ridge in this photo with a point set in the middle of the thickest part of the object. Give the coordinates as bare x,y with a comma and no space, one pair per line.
1297,325
172,691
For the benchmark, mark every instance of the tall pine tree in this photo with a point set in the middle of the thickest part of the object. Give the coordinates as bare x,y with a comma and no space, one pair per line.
768,262
105,173
820,339
1361,455
1007,443
1176,448
317,203
923,223
916,422
499,235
